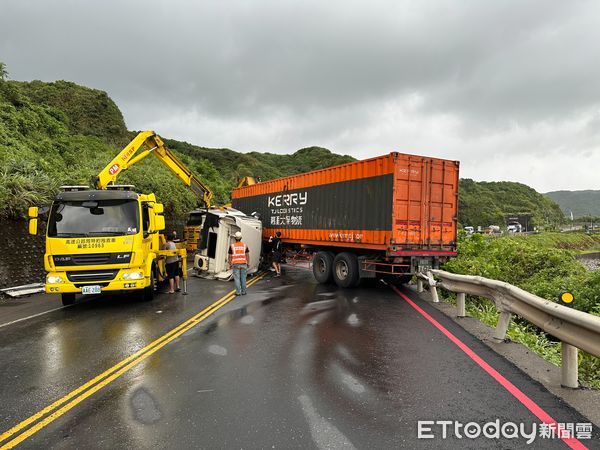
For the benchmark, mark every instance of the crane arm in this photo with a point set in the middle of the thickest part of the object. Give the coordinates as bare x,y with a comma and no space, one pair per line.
247,181
152,143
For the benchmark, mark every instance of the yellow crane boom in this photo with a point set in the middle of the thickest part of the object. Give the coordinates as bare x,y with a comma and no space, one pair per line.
152,143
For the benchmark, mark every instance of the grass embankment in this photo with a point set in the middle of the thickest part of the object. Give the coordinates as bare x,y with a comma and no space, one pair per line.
544,265
577,241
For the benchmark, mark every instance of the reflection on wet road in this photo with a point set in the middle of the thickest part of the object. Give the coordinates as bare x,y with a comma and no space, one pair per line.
293,364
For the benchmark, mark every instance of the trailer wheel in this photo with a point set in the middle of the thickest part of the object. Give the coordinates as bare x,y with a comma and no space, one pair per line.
322,267
345,270
68,299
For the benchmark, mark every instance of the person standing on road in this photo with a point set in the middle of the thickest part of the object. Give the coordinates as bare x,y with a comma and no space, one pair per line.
172,266
179,269
238,258
276,252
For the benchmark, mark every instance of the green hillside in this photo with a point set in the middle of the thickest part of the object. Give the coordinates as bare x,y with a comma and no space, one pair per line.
487,203
266,166
61,133
582,203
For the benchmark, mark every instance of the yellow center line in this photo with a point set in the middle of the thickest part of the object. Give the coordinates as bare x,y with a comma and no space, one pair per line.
104,374
98,382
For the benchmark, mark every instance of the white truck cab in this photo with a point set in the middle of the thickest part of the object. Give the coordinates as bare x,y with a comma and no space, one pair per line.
216,236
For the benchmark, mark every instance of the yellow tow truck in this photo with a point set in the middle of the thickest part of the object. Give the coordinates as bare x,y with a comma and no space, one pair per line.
108,238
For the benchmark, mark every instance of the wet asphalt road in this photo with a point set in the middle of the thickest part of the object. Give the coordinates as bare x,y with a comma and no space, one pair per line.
293,364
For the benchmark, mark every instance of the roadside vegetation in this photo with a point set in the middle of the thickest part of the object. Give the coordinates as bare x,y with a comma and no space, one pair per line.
544,265
61,133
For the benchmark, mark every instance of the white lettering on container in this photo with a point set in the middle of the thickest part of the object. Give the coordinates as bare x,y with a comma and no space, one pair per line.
297,198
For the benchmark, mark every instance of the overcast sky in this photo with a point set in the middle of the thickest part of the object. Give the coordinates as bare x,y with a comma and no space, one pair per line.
509,88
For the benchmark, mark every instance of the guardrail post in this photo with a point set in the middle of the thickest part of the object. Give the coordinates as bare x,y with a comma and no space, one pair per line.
569,366
502,326
434,294
460,305
419,285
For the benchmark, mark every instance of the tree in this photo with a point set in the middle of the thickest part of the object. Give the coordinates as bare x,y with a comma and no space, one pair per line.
3,71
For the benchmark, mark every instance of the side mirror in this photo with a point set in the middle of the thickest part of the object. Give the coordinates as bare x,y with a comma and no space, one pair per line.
159,223
158,208
33,212
33,226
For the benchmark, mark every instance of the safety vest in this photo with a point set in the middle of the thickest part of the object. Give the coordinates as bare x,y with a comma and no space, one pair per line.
238,253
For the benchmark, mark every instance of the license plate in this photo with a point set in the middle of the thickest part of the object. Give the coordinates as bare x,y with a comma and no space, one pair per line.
90,290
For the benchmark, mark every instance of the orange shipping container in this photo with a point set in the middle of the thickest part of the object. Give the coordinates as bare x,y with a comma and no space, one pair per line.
398,203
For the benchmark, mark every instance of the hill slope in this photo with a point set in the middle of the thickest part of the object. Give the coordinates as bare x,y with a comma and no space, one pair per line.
266,166
487,203
582,203
61,133
41,145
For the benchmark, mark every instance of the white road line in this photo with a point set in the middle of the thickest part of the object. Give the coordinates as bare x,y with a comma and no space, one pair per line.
31,317
44,312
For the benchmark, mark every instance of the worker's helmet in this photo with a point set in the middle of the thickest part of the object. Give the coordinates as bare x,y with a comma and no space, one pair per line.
238,235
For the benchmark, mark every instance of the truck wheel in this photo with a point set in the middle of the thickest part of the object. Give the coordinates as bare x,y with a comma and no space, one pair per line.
148,292
322,267
345,270
68,299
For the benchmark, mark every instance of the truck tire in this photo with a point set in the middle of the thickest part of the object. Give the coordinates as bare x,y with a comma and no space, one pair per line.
345,270
323,267
68,299
148,292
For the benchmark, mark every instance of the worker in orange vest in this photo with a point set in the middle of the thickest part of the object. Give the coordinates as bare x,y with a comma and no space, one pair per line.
238,258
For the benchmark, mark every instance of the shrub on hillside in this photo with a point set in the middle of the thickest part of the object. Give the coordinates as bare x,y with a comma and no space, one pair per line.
537,267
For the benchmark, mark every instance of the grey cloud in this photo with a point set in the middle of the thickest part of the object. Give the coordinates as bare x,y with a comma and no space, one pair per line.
232,57
357,76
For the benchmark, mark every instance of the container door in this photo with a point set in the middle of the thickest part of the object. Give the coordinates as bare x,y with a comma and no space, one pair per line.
425,199
442,208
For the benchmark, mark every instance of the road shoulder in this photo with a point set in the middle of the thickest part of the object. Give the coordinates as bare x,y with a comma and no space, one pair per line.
584,400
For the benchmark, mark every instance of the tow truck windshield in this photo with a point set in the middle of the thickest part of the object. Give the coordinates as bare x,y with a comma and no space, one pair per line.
93,218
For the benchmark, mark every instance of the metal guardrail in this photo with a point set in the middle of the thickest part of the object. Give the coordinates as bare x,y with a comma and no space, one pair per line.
575,329
27,289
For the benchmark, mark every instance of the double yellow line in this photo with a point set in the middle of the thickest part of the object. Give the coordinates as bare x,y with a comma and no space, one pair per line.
64,404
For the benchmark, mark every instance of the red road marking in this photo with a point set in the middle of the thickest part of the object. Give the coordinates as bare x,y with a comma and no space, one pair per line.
515,391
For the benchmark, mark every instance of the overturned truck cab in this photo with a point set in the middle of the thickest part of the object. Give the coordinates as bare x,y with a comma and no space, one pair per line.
219,225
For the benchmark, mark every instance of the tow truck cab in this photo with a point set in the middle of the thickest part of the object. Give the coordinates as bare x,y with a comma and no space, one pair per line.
101,240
